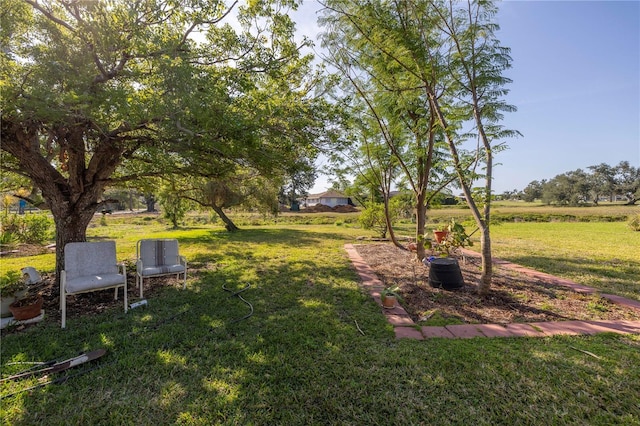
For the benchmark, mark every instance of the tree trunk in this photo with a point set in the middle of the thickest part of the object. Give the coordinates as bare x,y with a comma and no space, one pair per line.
228,223
487,269
150,200
421,220
487,260
73,197
387,219
71,214
425,165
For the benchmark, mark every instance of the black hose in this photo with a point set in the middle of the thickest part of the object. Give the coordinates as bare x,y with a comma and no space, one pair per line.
237,293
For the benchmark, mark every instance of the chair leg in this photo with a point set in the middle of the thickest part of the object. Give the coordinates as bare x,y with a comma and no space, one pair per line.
141,285
63,300
126,306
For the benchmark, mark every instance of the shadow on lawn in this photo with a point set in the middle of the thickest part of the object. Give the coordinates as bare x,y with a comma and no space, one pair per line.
304,310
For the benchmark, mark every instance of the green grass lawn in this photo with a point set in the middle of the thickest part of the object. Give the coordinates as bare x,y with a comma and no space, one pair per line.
188,358
604,255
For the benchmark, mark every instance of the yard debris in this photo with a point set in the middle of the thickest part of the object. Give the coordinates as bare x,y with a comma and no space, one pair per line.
56,367
586,352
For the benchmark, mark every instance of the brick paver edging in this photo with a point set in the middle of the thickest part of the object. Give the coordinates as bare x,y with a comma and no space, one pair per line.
404,327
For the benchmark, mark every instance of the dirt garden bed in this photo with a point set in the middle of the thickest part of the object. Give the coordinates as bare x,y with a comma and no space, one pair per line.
514,297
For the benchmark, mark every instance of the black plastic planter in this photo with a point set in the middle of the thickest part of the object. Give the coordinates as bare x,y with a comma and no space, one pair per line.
444,272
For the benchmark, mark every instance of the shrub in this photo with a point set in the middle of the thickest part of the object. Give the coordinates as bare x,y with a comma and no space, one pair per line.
37,228
31,228
372,217
8,238
11,283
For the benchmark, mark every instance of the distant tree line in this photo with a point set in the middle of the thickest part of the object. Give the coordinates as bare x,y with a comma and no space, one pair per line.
601,182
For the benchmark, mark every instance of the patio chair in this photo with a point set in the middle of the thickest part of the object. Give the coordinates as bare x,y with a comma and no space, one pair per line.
91,267
159,257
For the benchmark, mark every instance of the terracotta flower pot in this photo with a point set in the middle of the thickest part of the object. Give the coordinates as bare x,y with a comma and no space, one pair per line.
27,311
388,302
440,236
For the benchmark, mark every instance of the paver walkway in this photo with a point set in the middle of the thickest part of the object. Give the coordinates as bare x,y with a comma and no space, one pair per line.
404,326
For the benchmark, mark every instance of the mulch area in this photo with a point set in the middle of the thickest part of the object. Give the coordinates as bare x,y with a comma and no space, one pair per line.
514,297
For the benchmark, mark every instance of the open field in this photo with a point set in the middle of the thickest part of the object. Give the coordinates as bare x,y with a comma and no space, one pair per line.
300,358
601,255
535,212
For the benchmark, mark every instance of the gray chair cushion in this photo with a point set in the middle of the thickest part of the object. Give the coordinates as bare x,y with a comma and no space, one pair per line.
161,270
82,259
89,282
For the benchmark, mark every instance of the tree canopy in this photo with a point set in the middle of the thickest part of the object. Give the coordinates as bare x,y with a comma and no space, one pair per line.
99,93
577,187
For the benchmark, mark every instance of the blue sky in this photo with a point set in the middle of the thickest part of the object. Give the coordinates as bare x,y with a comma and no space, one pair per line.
576,84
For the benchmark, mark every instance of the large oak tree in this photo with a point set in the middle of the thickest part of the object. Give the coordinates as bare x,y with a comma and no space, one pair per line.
101,92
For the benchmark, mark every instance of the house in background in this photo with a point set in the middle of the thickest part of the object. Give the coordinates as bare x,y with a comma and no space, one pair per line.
329,198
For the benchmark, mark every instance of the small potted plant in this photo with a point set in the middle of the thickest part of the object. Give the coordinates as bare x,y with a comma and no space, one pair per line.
389,297
25,305
440,235
12,288
454,237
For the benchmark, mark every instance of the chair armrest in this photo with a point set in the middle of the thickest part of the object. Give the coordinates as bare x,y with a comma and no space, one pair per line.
123,268
182,260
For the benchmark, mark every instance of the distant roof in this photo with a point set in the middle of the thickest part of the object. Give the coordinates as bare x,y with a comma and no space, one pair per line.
328,194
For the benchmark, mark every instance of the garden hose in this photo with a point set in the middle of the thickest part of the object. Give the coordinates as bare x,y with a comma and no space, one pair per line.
237,293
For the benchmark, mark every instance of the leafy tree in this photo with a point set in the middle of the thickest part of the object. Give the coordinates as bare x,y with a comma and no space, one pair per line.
298,180
571,188
394,125
434,68
582,185
628,181
533,191
604,181
174,205
511,195
579,187
246,188
478,62
402,204
100,93
558,190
